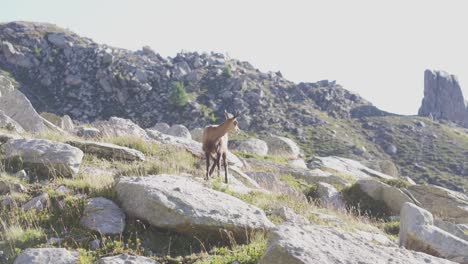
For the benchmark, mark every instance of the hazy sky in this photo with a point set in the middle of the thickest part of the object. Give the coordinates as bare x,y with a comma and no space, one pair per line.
379,49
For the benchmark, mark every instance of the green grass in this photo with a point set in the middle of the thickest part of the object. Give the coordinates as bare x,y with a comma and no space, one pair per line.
399,183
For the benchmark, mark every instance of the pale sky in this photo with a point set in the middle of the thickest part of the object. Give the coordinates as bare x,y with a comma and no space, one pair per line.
378,49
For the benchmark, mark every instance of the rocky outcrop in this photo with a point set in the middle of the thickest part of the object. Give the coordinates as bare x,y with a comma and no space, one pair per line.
253,146
444,203
108,151
38,203
393,197
120,127
294,244
45,157
47,255
282,146
126,259
103,216
184,205
288,215
443,98
417,232
7,123
348,167
329,196
14,104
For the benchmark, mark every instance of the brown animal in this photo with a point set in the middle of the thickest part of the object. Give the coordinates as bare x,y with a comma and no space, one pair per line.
215,143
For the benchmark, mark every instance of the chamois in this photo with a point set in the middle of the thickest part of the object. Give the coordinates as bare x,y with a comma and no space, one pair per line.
215,143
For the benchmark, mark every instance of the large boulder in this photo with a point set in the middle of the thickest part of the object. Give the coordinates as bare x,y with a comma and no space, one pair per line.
329,196
197,134
126,259
46,157
108,151
452,228
443,98
393,197
294,244
120,127
282,146
179,131
444,203
186,206
7,123
47,255
417,232
18,107
104,216
347,167
254,146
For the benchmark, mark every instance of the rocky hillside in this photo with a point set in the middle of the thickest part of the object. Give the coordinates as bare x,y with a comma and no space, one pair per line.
66,74
113,192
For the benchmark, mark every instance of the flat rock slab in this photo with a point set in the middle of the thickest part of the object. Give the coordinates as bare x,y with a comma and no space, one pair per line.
45,157
108,151
126,259
104,216
347,166
186,206
294,244
47,255
444,203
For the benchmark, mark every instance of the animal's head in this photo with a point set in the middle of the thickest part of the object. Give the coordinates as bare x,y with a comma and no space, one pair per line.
231,120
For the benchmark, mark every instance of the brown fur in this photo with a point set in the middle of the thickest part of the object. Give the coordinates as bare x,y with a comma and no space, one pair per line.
215,144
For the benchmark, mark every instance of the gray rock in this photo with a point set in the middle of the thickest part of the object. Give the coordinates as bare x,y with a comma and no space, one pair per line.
445,204
15,57
254,146
348,167
298,163
184,205
19,108
443,98
417,232
22,175
126,259
288,215
179,131
104,216
7,187
9,124
66,123
282,146
45,157
108,151
393,197
47,255
329,196
161,127
197,134
57,39
295,244
391,149
95,244
120,127
87,132
38,202
452,228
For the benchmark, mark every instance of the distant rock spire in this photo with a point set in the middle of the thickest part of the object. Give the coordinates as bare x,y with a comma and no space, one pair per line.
443,98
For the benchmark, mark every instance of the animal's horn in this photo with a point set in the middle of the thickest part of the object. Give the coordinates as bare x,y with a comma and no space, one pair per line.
237,114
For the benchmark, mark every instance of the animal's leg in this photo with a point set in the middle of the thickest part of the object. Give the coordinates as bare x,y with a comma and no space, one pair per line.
218,164
225,167
207,155
213,166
